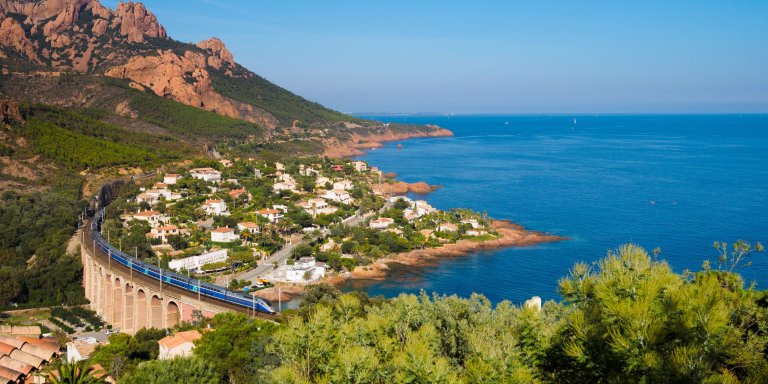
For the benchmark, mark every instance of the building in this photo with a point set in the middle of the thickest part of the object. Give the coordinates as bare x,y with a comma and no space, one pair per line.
339,195
178,345
447,227
472,222
226,163
193,263
216,207
248,227
163,232
279,166
273,215
381,223
321,181
206,174
345,185
154,218
317,206
305,269
284,186
149,197
240,193
22,356
81,349
223,235
171,178
360,166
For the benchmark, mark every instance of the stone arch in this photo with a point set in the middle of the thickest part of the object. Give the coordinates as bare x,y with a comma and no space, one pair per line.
172,314
129,303
156,309
142,309
117,302
107,298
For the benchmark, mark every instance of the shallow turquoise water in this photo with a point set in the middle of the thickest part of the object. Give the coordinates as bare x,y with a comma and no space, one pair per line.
674,182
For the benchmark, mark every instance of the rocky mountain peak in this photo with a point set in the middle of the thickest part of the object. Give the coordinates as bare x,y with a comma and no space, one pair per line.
220,53
136,22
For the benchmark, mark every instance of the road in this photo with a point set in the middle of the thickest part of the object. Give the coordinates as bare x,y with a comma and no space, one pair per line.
267,265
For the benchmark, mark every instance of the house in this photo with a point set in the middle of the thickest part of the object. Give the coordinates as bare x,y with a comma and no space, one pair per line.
193,263
248,226
223,235
171,178
240,193
345,185
149,197
472,222
285,186
308,171
476,232
339,195
226,163
447,227
337,168
381,223
321,181
317,206
273,215
152,217
418,209
81,349
21,357
279,166
178,345
163,232
360,166
304,270
206,174
215,207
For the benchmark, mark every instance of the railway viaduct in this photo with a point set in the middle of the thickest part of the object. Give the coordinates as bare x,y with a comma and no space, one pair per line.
130,301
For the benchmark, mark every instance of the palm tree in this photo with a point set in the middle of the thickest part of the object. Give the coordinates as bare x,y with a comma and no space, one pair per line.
73,373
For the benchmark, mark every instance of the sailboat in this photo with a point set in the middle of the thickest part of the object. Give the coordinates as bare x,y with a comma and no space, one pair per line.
574,121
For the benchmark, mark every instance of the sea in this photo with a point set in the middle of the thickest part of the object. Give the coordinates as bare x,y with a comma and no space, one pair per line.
674,182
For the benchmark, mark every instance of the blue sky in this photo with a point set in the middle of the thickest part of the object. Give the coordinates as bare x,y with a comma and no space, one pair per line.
536,56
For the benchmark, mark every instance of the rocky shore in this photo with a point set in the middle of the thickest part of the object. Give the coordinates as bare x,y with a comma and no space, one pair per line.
510,235
358,144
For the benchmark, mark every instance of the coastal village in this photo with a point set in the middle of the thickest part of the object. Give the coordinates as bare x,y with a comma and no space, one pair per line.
250,225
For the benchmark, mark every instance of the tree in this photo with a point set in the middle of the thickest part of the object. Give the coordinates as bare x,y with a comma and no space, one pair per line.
74,373
236,349
178,370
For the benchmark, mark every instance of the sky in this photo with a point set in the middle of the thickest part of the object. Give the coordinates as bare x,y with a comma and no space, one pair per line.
482,56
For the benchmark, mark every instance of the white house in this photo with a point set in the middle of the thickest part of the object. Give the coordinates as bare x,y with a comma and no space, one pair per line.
360,166
285,186
447,227
226,163
149,197
381,223
418,209
81,349
206,174
305,269
279,166
321,181
308,171
240,193
248,226
193,263
152,217
472,222
171,178
215,207
339,195
476,232
273,215
317,206
223,235
163,232
345,185
178,345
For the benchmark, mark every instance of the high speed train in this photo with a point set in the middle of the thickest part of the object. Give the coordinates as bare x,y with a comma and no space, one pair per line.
171,278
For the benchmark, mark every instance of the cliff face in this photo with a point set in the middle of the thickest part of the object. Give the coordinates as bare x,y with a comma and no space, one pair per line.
84,36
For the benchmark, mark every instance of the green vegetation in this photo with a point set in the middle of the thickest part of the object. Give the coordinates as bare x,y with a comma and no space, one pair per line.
194,370
189,121
124,353
73,373
284,105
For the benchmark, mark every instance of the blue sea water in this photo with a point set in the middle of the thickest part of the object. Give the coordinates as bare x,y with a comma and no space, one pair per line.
673,181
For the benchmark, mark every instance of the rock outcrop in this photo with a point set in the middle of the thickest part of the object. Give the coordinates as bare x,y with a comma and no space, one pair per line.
219,52
9,111
136,22
182,79
12,35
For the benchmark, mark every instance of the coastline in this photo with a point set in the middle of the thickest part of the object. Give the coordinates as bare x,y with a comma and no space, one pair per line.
357,145
511,235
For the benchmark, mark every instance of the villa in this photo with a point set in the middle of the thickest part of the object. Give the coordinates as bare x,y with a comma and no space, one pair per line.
447,227
225,163
273,215
215,207
345,185
240,192
248,226
152,217
339,195
322,181
206,174
223,235
381,223
317,206
171,178
148,197
163,232
305,269
360,166
472,222
179,345
285,186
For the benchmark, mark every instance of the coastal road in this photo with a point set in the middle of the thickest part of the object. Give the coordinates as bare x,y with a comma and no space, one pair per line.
267,265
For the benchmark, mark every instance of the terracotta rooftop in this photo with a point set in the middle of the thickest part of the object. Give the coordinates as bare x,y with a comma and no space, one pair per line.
146,213
268,211
248,224
223,230
167,228
179,338
20,356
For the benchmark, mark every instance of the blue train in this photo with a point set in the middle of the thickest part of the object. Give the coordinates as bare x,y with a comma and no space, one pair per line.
171,278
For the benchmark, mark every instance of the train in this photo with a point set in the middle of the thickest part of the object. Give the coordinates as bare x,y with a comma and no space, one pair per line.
154,272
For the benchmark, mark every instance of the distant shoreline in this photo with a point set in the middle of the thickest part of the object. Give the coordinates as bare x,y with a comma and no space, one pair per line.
358,144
